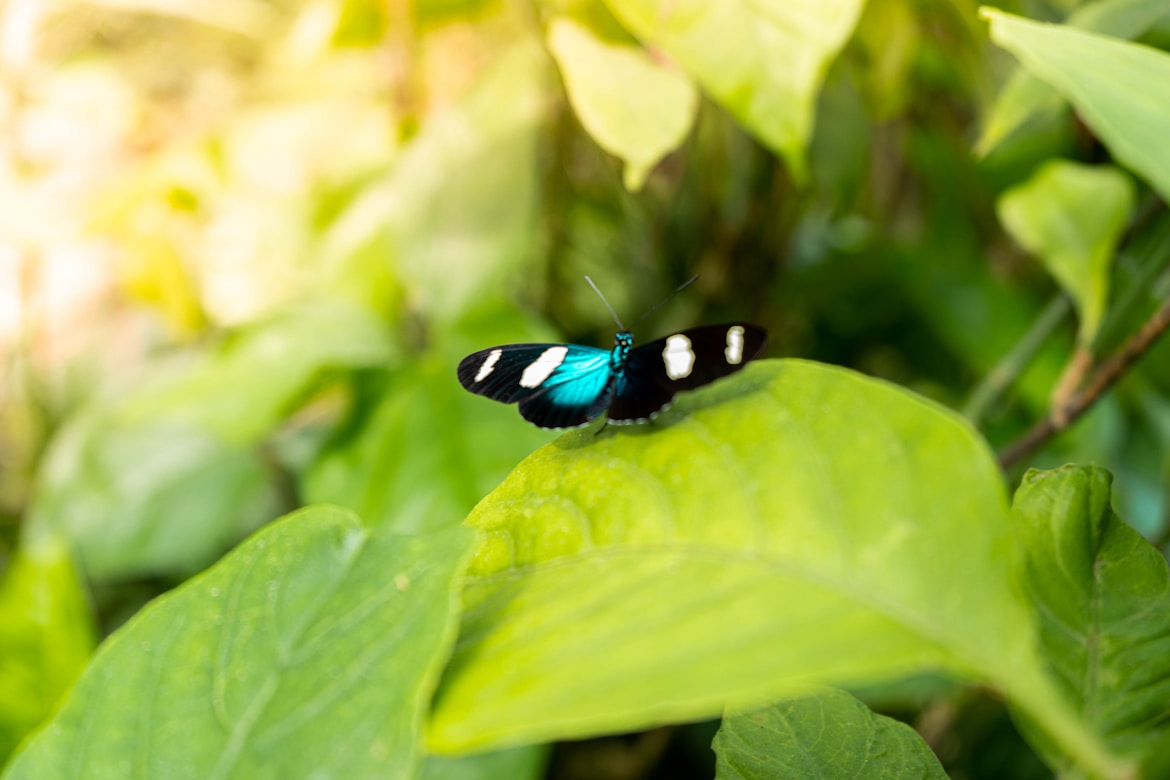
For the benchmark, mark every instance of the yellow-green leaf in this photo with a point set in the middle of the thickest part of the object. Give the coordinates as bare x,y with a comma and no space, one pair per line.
1120,89
1071,216
1024,96
634,107
794,523
763,61
46,635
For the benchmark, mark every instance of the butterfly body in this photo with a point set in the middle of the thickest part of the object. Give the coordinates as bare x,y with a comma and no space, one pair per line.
569,385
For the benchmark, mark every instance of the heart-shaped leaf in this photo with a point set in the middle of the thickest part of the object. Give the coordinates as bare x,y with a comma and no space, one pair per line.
763,61
825,733
1071,216
634,107
795,523
311,650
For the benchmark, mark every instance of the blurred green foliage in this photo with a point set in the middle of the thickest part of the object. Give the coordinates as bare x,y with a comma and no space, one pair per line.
244,245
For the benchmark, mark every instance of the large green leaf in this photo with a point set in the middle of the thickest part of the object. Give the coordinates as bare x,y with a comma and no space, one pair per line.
763,61
825,733
1102,596
46,636
1120,89
795,523
1025,97
635,108
1071,216
309,651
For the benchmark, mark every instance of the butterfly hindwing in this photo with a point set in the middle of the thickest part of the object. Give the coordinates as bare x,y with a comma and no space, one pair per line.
556,385
637,397
655,372
571,403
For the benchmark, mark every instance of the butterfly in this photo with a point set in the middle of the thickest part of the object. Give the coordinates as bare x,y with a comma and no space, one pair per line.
569,385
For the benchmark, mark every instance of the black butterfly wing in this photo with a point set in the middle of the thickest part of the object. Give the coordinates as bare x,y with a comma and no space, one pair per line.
656,372
556,385
570,403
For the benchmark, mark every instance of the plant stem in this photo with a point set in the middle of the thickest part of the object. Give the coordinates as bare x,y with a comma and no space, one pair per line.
1007,370
1099,381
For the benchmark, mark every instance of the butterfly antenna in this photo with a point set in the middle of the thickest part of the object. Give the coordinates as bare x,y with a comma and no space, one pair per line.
668,298
603,300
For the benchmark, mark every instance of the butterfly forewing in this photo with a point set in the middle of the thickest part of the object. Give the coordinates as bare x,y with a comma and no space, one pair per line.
557,385
685,360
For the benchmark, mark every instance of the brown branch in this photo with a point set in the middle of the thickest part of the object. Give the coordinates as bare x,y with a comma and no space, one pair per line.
1099,381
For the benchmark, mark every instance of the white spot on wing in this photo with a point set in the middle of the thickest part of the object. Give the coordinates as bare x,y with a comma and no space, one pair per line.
734,351
678,357
542,368
488,365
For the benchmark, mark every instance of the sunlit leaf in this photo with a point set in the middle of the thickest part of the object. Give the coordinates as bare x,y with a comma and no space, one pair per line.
456,215
825,733
795,523
1025,97
46,636
1071,217
635,108
1100,591
1120,89
309,651
763,61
